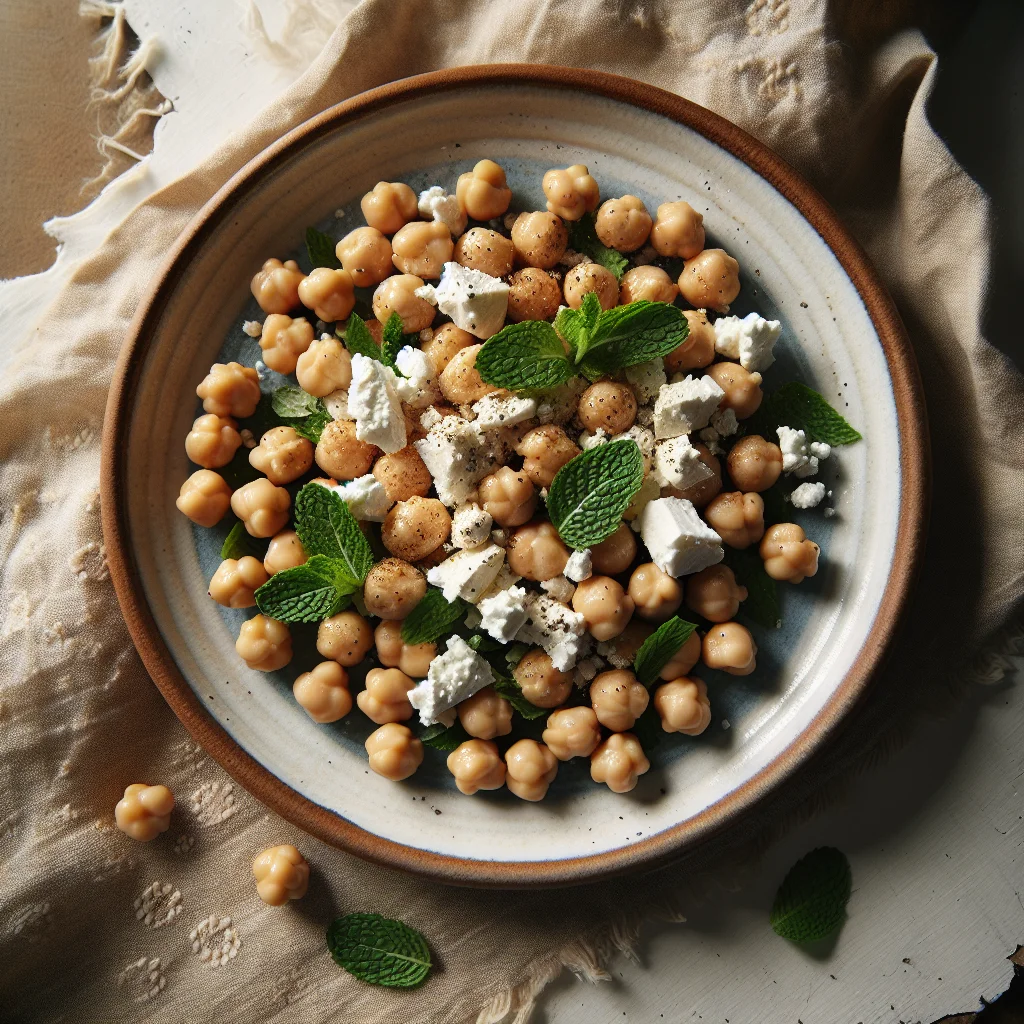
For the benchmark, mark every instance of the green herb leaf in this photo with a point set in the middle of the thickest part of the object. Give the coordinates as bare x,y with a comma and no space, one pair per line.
483,643
632,334
514,653
393,341
432,618
524,357
762,603
444,737
310,592
239,543
802,408
313,425
293,403
379,950
320,248
590,492
583,238
513,693
660,648
326,526
358,339
811,902
576,325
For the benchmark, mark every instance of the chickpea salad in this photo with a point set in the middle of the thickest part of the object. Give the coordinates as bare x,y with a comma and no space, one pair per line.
528,478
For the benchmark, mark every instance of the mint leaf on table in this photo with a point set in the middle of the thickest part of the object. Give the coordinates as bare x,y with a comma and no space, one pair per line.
583,238
239,543
811,902
802,408
432,618
660,648
320,248
444,737
326,526
590,492
631,334
310,592
379,950
762,603
511,691
576,325
358,339
528,356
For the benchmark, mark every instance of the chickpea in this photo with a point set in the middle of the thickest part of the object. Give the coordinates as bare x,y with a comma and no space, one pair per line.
683,706
714,593
542,684
413,659
285,552
394,752
572,732
282,455
737,518
742,389
236,581
447,342
460,381
485,250
329,293
681,663
619,762
609,406
344,638
264,644
144,811
422,248
788,554
386,697
700,493
623,224
698,350
324,367
482,192
539,239
509,497
572,192
730,648
403,474
754,463
366,254
281,874
262,507
340,454
710,280
655,594
678,230
650,283
545,450
283,340
204,497
414,528
212,441
531,768
397,294
590,277
276,286
618,699
393,588
476,765
485,714
230,389
615,554
533,295
537,552
323,692
604,605
388,206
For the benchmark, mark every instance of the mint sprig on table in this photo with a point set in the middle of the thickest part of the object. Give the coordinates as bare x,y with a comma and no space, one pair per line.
762,603
660,648
306,415
802,408
320,248
590,492
811,902
432,618
583,238
379,950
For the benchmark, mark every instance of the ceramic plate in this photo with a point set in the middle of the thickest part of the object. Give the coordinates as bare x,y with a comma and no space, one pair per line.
841,336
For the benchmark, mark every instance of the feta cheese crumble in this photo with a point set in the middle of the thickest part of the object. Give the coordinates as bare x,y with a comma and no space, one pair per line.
471,526
807,495
579,567
649,491
253,328
374,403
504,614
467,574
646,380
598,437
677,464
417,388
685,407
748,341
436,204
644,439
365,496
458,454
452,678
475,301
336,404
800,457
680,542
503,410
559,588
556,628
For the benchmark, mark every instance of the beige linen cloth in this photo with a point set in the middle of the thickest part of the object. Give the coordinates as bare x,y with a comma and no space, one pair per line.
84,934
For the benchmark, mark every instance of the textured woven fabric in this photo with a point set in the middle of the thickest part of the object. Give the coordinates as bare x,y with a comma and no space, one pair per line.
94,927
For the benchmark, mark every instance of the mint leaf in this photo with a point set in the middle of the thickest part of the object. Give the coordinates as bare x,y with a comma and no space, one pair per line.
811,902
762,603
802,408
292,403
444,737
326,526
238,543
432,618
631,334
379,950
313,425
511,691
576,325
583,238
524,357
320,248
358,339
660,648
590,492
394,339
310,592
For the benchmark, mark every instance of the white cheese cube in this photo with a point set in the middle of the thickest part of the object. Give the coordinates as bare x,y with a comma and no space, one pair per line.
580,566
436,204
365,496
644,439
498,410
685,407
458,454
374,403
557,629
475,301
504,614
748,341
677,464
471,526
452,678
467,574
418,387
807,495
724,422
680,542
646,380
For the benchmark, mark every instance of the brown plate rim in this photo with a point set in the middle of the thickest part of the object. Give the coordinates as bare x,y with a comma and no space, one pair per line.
331,827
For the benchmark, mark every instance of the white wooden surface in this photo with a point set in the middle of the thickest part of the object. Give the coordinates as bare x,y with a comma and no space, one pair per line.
934,836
